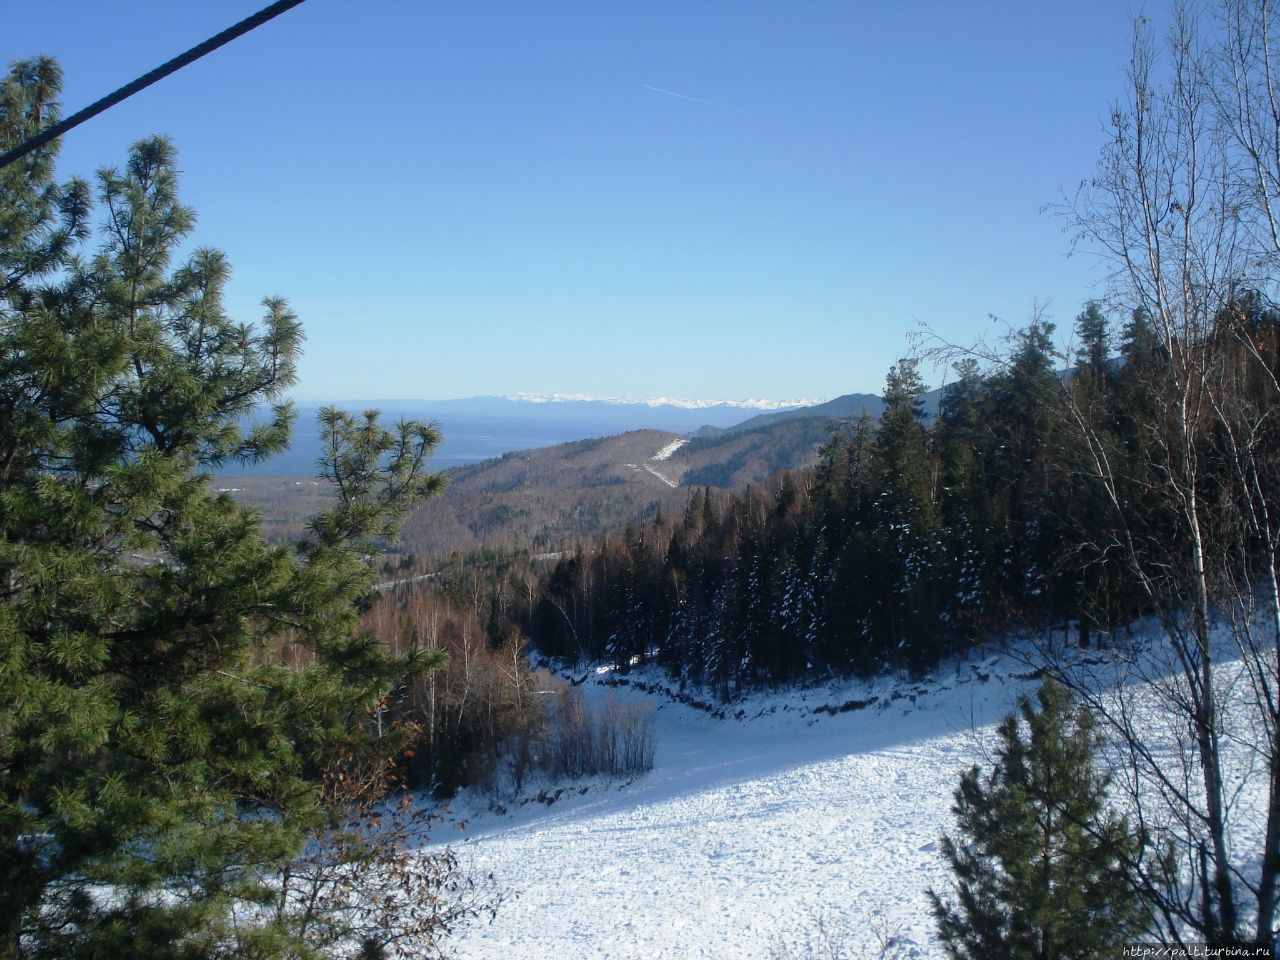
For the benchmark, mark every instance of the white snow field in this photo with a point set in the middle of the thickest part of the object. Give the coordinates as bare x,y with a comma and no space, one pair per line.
751,832
746,830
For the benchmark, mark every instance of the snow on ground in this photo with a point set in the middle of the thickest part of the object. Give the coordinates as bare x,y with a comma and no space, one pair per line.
392,584
752,830
748,829
666,452
662,476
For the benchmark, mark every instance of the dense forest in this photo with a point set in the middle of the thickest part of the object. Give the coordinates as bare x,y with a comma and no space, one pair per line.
913,539
908,542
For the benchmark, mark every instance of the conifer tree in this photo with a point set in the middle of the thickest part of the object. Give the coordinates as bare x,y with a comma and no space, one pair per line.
964,445
1095,345
1042,866
159,762
902,445
1138,341
904,613
1022,410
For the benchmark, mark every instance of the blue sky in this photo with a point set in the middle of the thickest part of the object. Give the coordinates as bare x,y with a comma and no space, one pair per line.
697,200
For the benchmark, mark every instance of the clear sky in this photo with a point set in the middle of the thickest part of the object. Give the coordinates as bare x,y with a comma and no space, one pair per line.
700,200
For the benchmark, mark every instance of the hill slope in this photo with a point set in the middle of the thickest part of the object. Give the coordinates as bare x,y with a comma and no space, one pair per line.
747,830
481,428
752,829
545,497
541,498
738,457
851,406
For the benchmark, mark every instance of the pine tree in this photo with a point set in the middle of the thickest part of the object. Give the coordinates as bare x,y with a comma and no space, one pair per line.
159,762
1042,866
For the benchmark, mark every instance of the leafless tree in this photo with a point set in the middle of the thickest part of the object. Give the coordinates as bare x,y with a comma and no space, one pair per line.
1181,212
371,882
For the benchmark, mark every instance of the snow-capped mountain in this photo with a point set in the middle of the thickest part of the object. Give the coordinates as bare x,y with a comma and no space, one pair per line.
657,402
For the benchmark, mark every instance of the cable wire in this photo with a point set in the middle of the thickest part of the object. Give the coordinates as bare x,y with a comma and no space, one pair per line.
147,79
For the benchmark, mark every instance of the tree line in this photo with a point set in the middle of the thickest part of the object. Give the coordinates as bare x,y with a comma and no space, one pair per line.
910,540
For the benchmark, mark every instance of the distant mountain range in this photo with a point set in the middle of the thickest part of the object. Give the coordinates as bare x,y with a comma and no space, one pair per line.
541,499
480,428
662,402
540,472
852,406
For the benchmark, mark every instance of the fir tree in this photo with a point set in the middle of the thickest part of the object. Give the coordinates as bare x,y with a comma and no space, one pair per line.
1042,866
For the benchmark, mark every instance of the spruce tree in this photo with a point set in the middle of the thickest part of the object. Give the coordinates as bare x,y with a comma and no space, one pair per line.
1042,866
159,762
903,540
1095,344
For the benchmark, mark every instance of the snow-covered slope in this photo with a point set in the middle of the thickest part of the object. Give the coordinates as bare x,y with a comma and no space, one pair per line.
800,816
750,829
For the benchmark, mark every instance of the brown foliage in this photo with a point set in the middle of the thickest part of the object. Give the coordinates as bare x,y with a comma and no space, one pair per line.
369,880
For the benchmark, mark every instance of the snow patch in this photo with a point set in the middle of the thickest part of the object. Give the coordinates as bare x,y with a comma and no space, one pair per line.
662,476
666,452
745,830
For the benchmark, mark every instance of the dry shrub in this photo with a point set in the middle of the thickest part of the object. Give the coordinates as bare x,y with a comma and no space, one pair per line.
369,881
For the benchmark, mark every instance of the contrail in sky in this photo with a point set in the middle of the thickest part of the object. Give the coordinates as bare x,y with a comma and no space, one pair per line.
681,96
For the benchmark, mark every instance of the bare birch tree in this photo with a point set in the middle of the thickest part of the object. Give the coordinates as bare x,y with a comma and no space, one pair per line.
1182,212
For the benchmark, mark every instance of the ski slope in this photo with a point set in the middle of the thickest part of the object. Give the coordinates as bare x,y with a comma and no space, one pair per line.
749,830
772,833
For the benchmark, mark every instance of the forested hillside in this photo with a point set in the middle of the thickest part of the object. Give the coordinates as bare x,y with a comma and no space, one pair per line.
910,540
543,498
